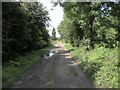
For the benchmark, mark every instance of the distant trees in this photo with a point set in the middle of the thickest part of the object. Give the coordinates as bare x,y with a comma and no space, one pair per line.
90,23
23,28
53,34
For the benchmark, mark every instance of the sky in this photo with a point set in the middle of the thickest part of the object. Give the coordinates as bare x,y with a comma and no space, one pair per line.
55,13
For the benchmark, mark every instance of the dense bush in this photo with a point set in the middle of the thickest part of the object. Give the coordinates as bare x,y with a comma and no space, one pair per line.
23,28
100,64
95,22
92,30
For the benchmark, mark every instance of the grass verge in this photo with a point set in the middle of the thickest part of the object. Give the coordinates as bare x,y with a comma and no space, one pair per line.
100,64
14,69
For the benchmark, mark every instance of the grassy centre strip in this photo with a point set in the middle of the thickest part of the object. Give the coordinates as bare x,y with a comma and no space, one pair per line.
53,72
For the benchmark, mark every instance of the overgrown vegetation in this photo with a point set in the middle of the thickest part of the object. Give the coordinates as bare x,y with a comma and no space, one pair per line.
15,68
53,34
99,64
91,29
90,23
24,38
23,28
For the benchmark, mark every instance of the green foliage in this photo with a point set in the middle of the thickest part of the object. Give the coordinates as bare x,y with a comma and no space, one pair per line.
24,28
94,27
53,34
98,38
99,64
92,21
65,27
70,31
13,69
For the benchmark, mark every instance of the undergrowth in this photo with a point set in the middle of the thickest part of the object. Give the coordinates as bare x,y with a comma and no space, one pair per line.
13,69
100,64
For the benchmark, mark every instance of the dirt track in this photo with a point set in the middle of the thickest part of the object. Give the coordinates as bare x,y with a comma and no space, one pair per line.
59,71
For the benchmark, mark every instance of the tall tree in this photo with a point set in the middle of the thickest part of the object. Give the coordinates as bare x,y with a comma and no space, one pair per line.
53,34
24,28
93,22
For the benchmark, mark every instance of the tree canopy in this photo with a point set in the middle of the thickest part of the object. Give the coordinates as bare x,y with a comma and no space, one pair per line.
90,23
24,28
53,34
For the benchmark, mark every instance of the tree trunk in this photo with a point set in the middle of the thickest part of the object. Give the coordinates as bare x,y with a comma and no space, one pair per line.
91,31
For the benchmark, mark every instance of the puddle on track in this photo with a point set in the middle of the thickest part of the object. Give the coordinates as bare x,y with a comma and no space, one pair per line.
50,54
